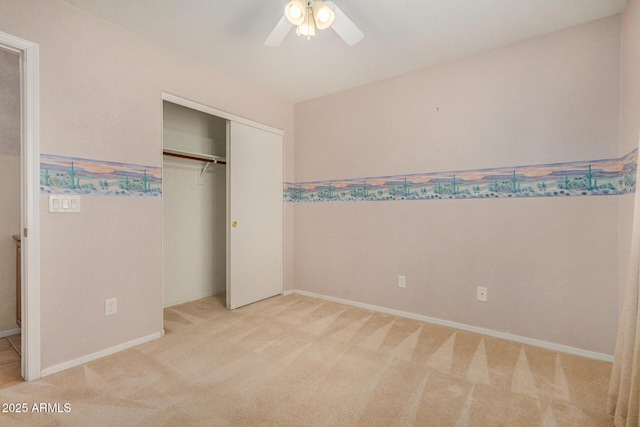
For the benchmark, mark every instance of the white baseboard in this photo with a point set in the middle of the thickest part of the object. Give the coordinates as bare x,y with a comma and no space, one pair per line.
489,332
289,292
9,332
98,355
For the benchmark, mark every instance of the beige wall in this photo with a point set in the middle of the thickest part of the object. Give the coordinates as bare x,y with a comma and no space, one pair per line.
9,184
629,119
100,98
550,264
630,70
9,103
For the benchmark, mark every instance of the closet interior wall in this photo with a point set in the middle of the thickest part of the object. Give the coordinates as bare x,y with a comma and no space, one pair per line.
193,206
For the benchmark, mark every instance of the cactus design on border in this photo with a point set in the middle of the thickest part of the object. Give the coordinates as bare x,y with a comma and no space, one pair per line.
606,177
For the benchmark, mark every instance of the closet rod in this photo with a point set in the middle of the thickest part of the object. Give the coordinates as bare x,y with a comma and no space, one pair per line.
194,156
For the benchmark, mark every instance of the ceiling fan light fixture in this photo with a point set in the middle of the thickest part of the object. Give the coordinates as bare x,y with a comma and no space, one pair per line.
295,11
322,15
309,15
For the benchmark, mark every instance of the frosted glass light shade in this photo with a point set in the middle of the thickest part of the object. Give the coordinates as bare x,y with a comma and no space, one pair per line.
322,15
296,11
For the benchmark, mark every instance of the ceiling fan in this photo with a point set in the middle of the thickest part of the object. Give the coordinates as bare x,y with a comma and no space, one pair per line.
309,15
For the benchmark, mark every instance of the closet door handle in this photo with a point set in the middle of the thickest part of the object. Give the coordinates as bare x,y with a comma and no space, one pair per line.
234,224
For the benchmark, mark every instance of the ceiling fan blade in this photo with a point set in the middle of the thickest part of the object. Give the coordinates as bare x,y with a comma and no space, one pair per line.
279,32
344,27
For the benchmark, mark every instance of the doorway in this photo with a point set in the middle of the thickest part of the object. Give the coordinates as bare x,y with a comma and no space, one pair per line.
10,213
28,269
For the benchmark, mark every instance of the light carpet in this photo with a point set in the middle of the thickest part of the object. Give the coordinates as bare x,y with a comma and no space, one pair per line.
302,361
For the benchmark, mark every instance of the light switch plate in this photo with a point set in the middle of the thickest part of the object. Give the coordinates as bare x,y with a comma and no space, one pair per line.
64,204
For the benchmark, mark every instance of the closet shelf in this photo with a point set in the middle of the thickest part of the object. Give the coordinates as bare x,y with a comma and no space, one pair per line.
209,158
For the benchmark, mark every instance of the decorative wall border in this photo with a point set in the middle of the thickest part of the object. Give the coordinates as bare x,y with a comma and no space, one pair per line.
607,177
73,175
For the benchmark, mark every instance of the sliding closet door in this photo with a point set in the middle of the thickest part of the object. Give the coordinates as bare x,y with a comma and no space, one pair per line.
254,233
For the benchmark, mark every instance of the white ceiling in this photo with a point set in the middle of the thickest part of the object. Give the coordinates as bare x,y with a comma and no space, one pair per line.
400,35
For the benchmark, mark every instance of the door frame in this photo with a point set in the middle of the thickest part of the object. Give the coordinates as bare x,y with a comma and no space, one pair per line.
165,96
30,198
219,113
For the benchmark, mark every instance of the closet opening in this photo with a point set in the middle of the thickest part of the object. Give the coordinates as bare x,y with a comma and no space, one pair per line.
222,206
193,204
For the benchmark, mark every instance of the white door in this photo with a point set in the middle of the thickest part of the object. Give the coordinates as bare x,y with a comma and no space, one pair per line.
254,229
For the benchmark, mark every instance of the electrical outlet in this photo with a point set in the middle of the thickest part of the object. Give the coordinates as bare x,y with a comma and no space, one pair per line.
110,306
482,294
402,281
